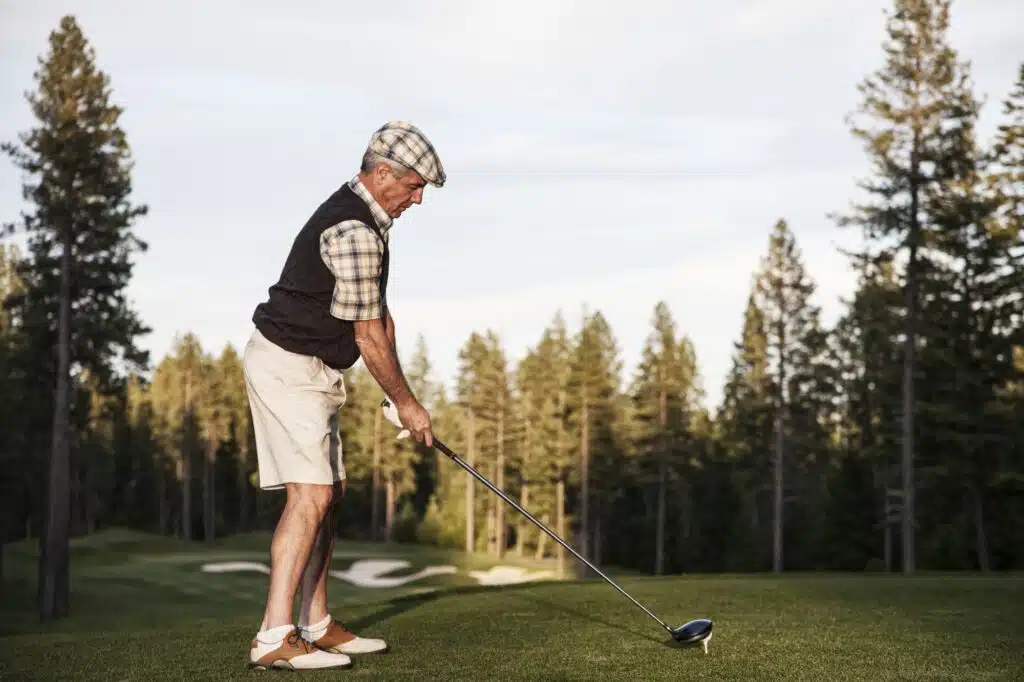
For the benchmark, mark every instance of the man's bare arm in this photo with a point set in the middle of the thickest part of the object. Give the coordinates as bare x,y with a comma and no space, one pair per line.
391,331
375,339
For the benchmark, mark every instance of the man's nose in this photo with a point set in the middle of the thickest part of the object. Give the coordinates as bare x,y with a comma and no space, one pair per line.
417,196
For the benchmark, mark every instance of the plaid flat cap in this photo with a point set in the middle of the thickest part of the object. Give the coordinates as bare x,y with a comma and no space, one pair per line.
404,143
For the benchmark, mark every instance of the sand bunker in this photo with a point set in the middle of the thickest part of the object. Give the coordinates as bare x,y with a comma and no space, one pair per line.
508,575
372,573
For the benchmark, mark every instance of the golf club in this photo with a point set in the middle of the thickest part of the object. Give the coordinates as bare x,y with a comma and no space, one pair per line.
691,634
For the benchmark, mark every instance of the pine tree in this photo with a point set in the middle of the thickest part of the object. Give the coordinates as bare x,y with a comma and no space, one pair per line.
177,402
541,379
145,485
974,293
906,105
444,523
745,429
401,459
425,461
664,401
1006,182
472,396
236,412
78,165
14,483
866,353
795,345
594,414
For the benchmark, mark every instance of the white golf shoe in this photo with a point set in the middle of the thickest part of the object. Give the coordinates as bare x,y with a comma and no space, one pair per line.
334,638
292,652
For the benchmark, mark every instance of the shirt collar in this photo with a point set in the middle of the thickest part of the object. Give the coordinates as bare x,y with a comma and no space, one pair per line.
380,216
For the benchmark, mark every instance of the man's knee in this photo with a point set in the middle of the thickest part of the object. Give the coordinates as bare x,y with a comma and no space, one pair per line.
311,499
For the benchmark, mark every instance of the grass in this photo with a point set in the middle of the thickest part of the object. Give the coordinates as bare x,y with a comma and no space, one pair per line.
141,610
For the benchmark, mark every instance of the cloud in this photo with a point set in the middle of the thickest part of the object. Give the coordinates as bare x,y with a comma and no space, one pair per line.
602,152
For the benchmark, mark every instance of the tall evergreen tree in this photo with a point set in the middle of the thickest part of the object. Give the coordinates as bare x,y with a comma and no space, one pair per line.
796,346
594,412
975,294
177,395
906,105
664,399
477,393
238,425
744,432
15,478
541,382
78,164
866,353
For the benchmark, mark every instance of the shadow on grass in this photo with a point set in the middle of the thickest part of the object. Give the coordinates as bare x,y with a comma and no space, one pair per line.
392,608
397,606
590,617
526,591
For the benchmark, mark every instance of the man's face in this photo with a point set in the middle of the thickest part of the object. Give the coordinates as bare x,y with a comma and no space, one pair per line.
397,194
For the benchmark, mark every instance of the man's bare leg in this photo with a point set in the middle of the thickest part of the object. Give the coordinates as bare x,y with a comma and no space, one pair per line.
313,604
290,550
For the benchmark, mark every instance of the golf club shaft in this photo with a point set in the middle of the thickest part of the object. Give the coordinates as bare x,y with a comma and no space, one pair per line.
458,460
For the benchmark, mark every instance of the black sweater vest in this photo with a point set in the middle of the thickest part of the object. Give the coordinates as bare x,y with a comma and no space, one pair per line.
297,315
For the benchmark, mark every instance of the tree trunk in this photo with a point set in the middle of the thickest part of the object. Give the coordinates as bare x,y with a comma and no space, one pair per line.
163,503
659,534
777,559
524,501
597,530
980,536
55,555
389,516
470,506
560,522
375,486
186,464
886,520
242,484
542,539
492,519
209,489
585,482
909,368
499,506
76,507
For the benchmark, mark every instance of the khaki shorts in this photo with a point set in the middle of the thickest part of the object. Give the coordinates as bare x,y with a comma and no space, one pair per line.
294,400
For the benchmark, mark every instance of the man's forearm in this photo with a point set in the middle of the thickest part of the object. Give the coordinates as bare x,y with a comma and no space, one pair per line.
390,326
376,345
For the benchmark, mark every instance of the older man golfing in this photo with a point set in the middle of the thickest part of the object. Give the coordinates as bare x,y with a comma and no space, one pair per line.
327,309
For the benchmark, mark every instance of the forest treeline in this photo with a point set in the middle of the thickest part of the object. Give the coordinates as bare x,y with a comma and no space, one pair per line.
891,440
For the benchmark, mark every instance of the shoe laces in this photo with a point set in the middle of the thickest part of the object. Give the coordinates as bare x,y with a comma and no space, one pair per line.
295,639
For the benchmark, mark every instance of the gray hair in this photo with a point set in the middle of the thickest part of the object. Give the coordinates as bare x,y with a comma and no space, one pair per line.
371,159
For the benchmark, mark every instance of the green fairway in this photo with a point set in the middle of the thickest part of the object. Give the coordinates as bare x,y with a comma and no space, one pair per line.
143,610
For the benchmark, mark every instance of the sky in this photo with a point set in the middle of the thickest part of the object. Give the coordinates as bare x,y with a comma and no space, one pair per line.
600,155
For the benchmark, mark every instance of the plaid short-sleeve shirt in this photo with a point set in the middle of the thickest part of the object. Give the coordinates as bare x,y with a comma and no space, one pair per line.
353,253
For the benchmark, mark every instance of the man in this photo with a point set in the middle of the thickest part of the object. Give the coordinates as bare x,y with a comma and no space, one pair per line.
328,309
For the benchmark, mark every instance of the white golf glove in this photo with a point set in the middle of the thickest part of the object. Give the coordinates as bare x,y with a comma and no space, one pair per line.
391,413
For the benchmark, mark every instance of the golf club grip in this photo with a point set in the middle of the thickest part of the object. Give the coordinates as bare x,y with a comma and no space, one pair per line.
554,536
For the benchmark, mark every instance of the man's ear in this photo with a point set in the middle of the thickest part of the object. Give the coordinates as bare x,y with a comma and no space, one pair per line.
380,173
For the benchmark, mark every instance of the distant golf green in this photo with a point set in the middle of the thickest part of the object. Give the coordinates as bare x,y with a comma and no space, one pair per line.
143,608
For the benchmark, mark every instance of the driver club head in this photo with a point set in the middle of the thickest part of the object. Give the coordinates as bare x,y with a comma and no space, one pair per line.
693,633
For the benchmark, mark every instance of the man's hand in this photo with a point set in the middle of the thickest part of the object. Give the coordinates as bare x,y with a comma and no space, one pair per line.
375,339
415,418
